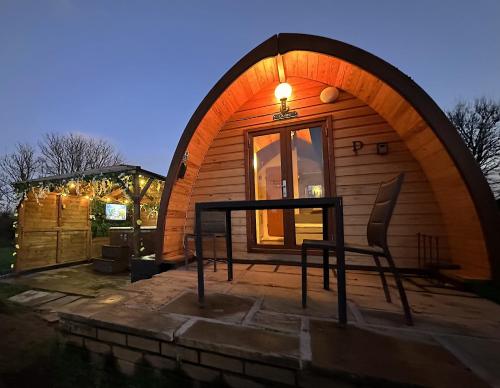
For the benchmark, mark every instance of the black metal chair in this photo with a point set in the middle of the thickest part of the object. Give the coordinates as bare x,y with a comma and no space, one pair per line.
213,224
376,233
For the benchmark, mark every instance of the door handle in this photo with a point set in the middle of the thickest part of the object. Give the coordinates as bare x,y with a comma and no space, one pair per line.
283,188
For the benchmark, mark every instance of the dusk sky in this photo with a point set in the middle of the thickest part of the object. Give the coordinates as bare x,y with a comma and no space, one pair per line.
133,72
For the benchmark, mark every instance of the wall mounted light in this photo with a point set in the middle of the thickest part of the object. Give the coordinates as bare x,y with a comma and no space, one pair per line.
183,166
283,92
329,94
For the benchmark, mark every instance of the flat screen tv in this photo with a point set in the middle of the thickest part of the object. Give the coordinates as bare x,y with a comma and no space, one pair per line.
116,212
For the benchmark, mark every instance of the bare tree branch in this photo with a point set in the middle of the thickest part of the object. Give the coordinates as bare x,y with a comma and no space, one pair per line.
479,125
20,165
64,154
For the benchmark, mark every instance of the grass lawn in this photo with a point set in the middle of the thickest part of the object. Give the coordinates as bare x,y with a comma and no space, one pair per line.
6,258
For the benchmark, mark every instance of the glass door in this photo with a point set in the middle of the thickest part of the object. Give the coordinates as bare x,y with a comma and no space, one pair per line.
268,184
308,174
289,162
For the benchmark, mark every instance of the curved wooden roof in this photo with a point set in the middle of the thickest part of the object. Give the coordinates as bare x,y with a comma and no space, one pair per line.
461,190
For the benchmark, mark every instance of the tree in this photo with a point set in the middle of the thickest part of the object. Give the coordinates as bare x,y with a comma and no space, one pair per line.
479,125
64,154
20,165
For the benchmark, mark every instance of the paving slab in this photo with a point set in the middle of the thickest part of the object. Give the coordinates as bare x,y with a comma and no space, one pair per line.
297,270
276,279
264,268
288,301
375,300
279,322
480,355
402,333
58,303
27,296
155,299
33,298
449,305
50,317
434,324
138,322
82,309
376,358
217,306
245,342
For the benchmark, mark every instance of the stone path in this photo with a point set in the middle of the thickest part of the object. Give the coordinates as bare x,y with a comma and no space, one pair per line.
54,289
74,280
46,303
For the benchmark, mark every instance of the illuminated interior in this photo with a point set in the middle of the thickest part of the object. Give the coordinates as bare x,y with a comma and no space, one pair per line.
307,172
268,180
308,180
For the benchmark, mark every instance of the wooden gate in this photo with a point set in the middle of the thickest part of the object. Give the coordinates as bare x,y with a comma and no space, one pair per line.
53,230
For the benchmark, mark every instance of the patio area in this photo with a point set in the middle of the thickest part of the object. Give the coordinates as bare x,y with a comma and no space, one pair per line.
254,332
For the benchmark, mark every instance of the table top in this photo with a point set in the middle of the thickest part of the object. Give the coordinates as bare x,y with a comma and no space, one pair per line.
271,204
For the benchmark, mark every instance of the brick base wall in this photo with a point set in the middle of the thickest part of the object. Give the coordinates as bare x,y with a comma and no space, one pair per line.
132,351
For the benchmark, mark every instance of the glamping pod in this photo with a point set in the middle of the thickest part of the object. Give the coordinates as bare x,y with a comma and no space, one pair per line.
344,122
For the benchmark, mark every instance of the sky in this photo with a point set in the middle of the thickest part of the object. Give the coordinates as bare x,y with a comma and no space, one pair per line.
133,72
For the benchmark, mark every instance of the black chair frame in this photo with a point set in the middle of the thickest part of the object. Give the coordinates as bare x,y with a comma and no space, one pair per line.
214,227
377,245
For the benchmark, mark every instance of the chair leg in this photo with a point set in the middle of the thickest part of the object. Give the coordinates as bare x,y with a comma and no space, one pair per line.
382,277
215,253
304,276
326,270
402,293
186,261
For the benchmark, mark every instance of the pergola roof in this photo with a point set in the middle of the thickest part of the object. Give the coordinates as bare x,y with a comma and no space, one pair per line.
117,169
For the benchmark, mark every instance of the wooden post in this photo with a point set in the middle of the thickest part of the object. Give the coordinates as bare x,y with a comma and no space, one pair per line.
136,215
59,204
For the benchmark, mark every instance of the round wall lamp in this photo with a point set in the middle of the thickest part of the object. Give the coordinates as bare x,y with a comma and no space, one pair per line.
329,94
283,92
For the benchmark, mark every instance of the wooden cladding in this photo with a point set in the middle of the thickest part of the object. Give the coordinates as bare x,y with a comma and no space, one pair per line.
435,199
52,230
357,177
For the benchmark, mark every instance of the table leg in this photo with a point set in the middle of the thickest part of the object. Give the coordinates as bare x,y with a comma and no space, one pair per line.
339,242
199,255
229,246
326,252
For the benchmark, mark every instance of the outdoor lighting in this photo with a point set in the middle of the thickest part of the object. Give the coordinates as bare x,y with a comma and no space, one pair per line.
329,94
283,92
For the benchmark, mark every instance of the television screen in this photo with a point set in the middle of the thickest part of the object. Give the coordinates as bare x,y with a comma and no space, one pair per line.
116,212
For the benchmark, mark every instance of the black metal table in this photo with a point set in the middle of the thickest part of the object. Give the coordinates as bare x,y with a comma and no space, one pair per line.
323,203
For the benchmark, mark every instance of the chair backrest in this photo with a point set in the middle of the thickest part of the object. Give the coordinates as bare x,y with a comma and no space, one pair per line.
213,222
381,214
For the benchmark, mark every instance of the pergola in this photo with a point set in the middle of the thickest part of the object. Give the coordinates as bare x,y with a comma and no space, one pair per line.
56,209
